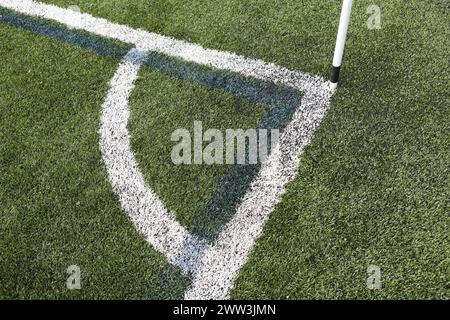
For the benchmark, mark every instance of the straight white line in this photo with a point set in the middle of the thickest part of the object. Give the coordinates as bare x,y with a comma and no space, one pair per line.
149,41
221,263
216,267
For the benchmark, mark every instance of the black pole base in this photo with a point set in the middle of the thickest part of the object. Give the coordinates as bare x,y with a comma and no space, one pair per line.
334,78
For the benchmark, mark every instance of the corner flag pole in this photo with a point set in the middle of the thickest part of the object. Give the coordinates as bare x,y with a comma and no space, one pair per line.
340,42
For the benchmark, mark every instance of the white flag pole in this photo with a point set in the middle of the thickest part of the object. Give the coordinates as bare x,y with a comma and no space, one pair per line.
340,42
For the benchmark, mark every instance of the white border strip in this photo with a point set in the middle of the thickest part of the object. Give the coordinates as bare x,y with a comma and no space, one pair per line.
214,268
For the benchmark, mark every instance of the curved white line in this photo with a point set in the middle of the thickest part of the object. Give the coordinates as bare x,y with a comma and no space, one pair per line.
214,268
142,205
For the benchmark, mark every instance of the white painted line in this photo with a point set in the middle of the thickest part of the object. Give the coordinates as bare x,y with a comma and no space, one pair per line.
214,268
221,263
143,206
149,41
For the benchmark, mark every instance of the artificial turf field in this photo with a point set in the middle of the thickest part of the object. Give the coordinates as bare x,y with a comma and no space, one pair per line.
372,188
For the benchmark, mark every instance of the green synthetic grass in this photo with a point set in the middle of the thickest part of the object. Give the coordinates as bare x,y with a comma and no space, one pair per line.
372,188
57,206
